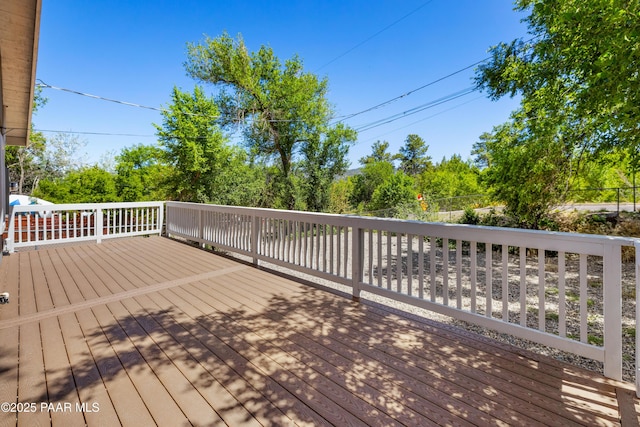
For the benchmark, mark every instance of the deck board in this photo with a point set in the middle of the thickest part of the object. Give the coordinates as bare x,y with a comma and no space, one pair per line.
152,331
405,370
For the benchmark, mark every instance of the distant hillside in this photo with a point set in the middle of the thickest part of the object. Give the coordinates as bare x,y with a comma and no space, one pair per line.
350,172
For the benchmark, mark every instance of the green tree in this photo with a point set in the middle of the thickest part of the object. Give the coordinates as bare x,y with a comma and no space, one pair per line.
577,73
340,196
85,185
530,172
24,163
194,147
323,160
392,194
280,108
413,156
62,154
379,153
450,178
370,178
140,172
479,151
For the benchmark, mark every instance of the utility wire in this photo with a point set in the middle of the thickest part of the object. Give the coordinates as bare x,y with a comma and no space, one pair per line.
373,36
423,119
95,133
131,104
416,110
404,95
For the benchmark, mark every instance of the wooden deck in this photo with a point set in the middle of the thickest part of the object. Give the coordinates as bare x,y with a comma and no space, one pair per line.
145,331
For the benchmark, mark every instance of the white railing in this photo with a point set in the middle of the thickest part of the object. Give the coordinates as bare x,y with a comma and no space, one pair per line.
36,225
559,289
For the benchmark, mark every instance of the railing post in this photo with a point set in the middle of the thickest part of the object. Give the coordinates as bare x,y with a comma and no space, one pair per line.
99,221
612,292
160,218
357,260
200,229
255,236
11,232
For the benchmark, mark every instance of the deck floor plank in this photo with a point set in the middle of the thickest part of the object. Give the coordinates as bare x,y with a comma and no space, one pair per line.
160,404
8,373
272,336
403,372
127,402
406,345
32,387
62,401
217,397
259,393
86,376
238,349
146,329
186,397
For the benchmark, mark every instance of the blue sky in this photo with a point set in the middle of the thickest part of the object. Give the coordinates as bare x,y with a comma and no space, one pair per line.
370,51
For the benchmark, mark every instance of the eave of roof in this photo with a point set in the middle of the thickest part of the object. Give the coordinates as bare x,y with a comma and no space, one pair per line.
19,34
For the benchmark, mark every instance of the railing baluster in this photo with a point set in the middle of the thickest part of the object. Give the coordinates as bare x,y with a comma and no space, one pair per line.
433,247
505,283
474,274
345,269
379,263
562,297
583,298
459,274
389,261
488,261
409,264
541,290
370,248
421,267
523,286
445,271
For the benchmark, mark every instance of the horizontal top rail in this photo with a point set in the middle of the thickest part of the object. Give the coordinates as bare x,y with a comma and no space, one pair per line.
83,206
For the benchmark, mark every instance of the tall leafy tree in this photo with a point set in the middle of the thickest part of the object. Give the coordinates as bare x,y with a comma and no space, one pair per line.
580,66
368,180
194,146
324,159
530,171
451,177
413,155
393,193
85,185
140,172
379,153
281,109
578,81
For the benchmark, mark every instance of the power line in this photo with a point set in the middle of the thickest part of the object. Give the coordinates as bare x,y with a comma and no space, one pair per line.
416,110
426,118
374,35
404,95
101,98
95,133
438,80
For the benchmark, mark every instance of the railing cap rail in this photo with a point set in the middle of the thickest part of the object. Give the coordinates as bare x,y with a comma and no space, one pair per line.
83,206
